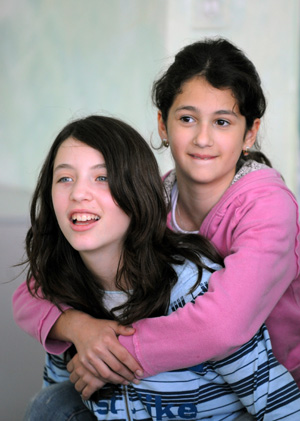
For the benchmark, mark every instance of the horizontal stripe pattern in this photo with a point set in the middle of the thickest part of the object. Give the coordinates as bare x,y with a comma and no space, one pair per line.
250,378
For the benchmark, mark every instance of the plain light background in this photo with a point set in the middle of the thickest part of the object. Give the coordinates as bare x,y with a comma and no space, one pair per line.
71,58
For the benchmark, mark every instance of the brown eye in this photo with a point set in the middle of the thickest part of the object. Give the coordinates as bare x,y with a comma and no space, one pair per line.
187,119
222,123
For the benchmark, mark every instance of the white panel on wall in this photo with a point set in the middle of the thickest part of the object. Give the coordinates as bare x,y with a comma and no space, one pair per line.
208,14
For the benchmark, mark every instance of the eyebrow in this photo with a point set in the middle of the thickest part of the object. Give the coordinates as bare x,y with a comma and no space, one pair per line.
195,109
70,167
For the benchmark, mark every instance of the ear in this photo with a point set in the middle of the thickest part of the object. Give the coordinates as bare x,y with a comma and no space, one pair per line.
162,130
252,133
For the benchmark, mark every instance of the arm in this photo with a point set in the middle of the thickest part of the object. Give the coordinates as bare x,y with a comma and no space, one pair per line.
99,351
36,317
261,262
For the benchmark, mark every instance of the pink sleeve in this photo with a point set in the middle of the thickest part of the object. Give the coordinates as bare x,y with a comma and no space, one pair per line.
261,265
36,317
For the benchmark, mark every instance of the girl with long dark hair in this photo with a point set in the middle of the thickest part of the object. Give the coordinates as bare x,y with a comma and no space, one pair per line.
99,243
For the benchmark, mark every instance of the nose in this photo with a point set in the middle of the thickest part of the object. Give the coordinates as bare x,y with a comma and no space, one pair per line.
203,136
80,191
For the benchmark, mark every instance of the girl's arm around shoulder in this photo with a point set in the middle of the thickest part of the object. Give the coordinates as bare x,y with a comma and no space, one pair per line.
262,261
95,340
37,317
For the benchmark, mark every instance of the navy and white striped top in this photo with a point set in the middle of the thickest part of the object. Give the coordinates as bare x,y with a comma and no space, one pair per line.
250,380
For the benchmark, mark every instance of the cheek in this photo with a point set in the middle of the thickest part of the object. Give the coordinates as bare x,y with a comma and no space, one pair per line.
176,148
109,205
233,144
123,221
122,217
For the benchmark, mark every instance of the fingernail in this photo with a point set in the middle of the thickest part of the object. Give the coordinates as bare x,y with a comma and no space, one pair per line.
139,373
136,381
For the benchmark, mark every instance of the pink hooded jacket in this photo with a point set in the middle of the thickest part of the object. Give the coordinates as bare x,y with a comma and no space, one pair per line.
255,227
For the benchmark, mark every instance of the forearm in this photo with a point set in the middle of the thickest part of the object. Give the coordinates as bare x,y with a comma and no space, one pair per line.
69,325
95,340
215,326
261,263
37,316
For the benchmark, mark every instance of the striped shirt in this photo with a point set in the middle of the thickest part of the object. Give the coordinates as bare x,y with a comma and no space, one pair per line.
250,380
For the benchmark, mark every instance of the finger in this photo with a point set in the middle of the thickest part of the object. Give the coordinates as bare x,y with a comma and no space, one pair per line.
70,366
76,362
87,391
103,373
87,382
112,370
74,377
124,330
109,375
77,371
106,365
118,359
128,363
87,385
80,385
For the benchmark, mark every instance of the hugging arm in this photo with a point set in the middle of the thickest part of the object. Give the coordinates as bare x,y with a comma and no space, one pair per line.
261,268
261,264
100,358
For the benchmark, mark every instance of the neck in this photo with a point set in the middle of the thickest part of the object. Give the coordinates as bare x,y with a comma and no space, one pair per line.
195,201
103,267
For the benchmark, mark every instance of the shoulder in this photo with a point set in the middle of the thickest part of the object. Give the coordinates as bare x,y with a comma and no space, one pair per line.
262,183
188,268
247,168
260,197
188,275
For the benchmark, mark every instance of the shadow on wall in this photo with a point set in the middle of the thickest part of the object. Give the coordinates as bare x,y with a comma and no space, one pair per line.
21,357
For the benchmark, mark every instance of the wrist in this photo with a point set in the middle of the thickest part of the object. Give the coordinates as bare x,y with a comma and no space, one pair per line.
68,325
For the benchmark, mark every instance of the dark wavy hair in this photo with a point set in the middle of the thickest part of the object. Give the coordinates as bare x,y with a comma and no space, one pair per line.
150,248
224,66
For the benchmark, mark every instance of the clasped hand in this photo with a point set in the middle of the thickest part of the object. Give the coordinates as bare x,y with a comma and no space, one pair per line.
100,358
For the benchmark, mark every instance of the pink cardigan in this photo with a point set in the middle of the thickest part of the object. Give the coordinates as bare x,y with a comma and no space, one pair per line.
255,224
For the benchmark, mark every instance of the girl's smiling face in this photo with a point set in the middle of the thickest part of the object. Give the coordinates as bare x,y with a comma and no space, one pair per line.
86,212
206,133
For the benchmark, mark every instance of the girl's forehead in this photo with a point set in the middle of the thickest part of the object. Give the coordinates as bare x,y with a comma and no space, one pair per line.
199,92
72,149
201,83
72,142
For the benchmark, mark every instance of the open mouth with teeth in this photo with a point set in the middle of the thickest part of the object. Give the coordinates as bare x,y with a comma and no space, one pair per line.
84,218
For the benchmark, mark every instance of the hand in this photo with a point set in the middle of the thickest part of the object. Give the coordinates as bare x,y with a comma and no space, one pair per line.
99,350
84,381
101,353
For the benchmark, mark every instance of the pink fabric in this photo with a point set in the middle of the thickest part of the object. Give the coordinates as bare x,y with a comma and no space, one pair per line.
37,316
255,225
